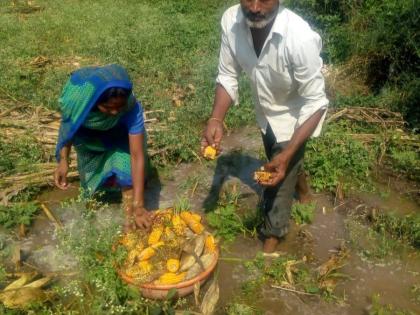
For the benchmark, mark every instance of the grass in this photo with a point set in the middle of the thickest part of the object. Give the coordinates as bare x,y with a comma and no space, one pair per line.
378,308
303,213
17,213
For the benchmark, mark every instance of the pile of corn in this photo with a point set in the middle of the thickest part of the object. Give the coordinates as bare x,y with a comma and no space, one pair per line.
176,249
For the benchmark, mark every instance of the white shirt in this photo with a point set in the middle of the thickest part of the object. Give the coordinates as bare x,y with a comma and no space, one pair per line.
286,80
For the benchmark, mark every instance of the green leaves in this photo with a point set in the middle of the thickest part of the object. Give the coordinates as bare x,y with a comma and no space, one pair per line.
303,213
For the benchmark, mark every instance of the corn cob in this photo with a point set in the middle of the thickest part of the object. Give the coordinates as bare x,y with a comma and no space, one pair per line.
187,261
195,269
210,153
129,240
155,235
146,253
195,226
157,245
178,224
171,278
262,176
210,244
172,265
145,266
196,217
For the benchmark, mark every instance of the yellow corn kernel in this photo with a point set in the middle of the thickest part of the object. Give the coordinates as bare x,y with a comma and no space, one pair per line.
210,153
262,176
145,266
146,253
129,240
172,265
186,216
155,235
171,278
196,227
196,217
178,224
157,245
210,244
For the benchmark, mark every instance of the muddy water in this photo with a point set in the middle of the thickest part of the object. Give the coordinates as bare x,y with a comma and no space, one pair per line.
201,181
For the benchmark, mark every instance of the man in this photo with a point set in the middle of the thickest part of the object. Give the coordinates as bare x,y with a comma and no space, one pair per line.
279,52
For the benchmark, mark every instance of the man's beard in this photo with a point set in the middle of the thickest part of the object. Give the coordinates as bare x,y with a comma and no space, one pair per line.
257,20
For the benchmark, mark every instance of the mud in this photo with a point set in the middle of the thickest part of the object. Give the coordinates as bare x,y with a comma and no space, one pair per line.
202,182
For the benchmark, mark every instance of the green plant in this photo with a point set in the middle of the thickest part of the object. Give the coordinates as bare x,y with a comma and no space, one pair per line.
303,213
227,223
405,228
242,309
385,309
336,158
17,213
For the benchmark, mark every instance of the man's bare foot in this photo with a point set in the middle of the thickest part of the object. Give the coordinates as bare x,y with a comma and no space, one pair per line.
270,244
302,189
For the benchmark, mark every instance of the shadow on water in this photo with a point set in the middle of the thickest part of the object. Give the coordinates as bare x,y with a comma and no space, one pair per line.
234,164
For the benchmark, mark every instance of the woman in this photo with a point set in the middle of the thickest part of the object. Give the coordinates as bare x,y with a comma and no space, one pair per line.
102,119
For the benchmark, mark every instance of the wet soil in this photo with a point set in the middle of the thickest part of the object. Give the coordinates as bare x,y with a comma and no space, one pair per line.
202,182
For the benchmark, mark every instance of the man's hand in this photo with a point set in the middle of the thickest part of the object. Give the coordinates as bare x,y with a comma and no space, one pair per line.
277,167
212,135
60,175
143,218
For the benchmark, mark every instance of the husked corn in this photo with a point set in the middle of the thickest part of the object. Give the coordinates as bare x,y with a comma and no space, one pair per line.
146,253
178,224
210,153
172,265
155,235
171,278
210,244
196,217
145,266
195,226
262,176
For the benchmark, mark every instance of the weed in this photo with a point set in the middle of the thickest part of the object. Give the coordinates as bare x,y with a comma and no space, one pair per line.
242,309
415,293
370,245
227,223
336,157
405,228
182,204
17,213
303,213
385,309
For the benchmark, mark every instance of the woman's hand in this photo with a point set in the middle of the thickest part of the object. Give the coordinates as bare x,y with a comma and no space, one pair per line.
60,174
142,217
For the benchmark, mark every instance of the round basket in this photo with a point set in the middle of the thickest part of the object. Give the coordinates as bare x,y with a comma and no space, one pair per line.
160,291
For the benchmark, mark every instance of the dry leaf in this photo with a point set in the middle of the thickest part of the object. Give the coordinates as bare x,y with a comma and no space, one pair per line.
210,299
24,279
38,283
197,293
22,297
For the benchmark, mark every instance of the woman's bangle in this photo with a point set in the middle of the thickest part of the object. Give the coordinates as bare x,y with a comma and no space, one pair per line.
216,119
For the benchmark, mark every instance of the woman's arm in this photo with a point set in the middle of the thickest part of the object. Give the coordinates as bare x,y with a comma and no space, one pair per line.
60,174
137,154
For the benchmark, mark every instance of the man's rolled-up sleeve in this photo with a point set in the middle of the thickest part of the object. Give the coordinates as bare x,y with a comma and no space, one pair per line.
307,65
229,69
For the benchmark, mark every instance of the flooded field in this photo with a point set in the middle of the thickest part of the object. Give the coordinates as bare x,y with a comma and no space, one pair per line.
334,225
